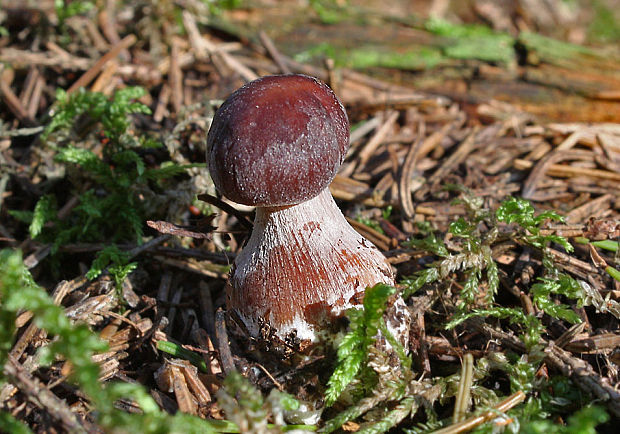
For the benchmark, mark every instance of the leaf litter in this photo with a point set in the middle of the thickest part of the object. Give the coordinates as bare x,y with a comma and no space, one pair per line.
434,182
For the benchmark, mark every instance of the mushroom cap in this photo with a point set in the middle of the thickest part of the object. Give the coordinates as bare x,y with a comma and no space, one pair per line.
278,140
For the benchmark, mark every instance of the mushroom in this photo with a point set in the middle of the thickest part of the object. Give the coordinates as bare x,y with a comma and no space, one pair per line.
276,143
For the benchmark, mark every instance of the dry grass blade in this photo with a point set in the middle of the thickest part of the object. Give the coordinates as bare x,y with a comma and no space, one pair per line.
92,72
25,58
369,149
463,395
416,151
471,423
561,171
378,239
458,156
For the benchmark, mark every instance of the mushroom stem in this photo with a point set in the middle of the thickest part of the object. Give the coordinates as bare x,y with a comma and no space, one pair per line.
301,268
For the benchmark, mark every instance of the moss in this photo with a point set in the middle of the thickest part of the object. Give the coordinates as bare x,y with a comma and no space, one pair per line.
605,27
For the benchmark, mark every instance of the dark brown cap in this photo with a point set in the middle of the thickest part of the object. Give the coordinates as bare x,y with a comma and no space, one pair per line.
278,140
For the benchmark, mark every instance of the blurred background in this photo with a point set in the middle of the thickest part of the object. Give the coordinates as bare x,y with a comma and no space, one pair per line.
558,59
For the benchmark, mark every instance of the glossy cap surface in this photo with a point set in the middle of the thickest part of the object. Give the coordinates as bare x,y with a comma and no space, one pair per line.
278,140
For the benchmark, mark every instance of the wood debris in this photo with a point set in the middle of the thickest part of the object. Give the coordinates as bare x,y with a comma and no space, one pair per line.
410,151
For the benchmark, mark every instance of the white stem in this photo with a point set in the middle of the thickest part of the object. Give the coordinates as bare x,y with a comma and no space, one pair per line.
302,267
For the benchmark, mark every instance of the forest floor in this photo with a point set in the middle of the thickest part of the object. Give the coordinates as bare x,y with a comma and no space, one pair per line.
484,164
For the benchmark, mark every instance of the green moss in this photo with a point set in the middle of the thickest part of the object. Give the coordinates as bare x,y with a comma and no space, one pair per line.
375,56
605,26
552,50
419,58
472,41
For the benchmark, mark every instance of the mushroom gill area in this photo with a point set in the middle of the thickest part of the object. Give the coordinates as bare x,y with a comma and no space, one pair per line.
301,268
